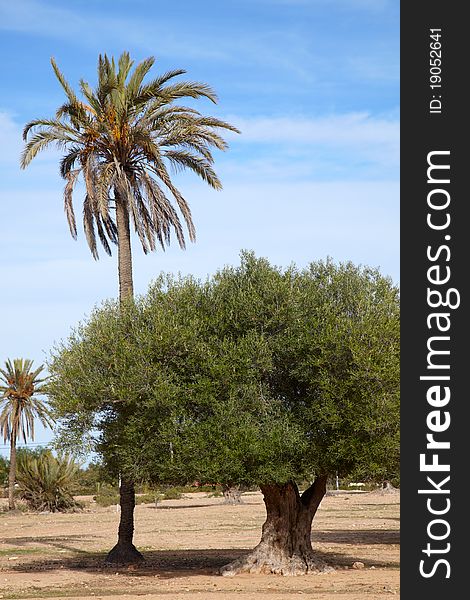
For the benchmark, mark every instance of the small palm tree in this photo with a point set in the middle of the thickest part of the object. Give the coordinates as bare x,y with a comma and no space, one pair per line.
46,482
122,138
19,384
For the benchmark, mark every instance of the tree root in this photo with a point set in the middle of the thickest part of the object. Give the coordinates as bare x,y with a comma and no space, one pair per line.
124,554
262,563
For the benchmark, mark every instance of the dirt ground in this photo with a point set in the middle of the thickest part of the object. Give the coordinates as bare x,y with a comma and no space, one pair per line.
186,541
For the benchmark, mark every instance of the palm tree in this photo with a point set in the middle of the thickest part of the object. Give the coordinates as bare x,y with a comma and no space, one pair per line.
19,407
121,139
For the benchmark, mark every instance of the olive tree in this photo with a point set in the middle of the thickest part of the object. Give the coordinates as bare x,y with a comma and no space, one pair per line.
279,378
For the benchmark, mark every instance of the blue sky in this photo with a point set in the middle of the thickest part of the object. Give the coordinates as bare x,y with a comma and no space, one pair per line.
312,84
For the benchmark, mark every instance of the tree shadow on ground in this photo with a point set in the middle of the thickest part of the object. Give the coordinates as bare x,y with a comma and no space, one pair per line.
164,563
166,507
183,563
54,541
357,537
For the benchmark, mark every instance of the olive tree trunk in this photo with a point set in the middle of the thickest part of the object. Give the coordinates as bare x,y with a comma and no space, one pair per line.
124,552
285,547
12,472
232,494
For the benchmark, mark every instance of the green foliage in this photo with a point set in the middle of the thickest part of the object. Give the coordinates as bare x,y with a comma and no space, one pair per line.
45,481
25,453
107,495
149,498
91,479
4,467
172,493
257,375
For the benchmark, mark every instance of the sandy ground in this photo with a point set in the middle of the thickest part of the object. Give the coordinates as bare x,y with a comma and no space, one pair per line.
186,541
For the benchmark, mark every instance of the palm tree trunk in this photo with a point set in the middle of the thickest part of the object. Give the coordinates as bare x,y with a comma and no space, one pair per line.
124,552
12,472
126,286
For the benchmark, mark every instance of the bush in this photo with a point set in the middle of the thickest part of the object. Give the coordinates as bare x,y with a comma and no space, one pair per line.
109,495
149,498
172,493
91,478
45,482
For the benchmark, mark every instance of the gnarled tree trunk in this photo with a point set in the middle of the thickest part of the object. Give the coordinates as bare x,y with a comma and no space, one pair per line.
124,552
232,494
285,545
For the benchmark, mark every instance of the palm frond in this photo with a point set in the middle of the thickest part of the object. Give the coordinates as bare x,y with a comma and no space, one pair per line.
162,173
50,124
89,226
187,89
76,113
69,160
124,66
201,166
40,141
71,177
66,87
102,231
93,102
137,77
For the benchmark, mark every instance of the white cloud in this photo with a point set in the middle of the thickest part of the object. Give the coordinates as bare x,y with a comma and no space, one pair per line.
233,44
325,146
31,16
350,129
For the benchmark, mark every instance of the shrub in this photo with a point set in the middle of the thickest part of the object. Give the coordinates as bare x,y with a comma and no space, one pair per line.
91,478
149,498
171,493
45,482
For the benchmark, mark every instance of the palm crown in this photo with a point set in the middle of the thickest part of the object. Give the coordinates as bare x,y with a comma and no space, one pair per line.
121,138
19,383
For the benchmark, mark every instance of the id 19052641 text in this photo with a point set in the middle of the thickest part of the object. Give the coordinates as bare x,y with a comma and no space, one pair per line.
435,71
